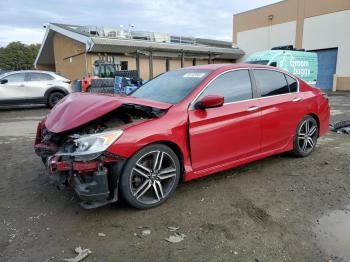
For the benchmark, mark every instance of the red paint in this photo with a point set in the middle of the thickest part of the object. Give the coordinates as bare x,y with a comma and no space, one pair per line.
209,140
55,165
80,108
210,102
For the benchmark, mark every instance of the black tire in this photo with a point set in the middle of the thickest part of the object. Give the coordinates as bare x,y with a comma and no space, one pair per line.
155,186
54,98
305,137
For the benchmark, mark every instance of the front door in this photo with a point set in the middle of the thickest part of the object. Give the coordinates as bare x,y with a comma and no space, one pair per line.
14,88
230,132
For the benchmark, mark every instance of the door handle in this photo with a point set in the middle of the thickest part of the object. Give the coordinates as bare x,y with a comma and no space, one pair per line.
297,99
21,85
253,108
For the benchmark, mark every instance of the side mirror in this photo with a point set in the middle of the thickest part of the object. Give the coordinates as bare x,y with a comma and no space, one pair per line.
3,81
209,102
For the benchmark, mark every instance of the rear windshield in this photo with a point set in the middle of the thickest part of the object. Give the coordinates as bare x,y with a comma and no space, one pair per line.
172,87
258,62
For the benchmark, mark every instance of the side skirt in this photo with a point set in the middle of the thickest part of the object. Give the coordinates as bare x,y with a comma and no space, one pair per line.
218,168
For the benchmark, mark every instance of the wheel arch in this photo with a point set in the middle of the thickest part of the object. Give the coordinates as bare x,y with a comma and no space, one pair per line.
177,150
317,121
49,91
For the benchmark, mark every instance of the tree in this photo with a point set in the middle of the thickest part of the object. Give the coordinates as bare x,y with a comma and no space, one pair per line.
18,56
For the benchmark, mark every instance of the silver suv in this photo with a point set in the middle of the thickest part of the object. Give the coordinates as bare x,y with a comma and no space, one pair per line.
29,87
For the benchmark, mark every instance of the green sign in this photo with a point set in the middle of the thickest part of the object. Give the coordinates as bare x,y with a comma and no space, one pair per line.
301,64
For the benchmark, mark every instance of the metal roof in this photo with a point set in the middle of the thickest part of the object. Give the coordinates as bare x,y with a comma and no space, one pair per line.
95,44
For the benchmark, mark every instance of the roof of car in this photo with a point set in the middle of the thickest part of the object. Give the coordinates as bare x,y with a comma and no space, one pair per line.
30,71
228,66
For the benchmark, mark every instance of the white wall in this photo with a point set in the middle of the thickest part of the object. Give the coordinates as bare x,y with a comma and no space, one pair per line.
329,31
264,38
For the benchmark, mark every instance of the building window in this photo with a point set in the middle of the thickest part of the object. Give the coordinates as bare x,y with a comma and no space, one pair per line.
124,65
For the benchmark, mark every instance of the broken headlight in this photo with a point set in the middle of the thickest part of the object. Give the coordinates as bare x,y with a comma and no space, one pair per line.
94,143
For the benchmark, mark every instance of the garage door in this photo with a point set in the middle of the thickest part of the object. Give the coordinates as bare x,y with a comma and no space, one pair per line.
327,64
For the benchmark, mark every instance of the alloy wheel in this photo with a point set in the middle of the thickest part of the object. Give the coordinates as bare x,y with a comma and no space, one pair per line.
307,135
153,177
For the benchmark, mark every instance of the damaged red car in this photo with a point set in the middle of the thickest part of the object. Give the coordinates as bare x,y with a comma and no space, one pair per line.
182,125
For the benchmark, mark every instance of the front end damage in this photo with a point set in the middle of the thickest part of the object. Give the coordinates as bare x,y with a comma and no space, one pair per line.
90,180
79,158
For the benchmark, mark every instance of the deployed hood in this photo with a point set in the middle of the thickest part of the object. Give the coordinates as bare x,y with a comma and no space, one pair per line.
80,108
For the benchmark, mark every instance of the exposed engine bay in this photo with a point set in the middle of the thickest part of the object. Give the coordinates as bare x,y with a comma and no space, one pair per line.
123,116
78,157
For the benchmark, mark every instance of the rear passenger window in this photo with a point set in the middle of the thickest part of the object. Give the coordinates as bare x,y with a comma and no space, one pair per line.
39,77
233,86
271,82
293,84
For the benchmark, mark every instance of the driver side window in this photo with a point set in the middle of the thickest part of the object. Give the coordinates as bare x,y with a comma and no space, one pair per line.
19,77
233,86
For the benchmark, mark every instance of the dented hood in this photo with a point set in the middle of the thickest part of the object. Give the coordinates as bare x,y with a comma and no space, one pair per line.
80,108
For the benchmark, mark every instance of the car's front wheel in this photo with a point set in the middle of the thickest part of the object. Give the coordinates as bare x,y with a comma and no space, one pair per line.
305,137
150,176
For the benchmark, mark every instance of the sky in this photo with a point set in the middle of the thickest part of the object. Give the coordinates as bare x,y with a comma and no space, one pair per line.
22,20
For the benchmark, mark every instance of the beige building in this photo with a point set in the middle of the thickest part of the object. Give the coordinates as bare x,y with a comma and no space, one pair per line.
322,26
71,51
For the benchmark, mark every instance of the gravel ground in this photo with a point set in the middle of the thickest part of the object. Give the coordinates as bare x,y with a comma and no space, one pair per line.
269,210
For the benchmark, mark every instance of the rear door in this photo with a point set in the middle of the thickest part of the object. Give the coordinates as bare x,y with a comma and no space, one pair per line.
14,89
231,132
281,110
38,83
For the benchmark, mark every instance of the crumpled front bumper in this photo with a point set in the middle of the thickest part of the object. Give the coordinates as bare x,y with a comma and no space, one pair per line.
94,178
92,181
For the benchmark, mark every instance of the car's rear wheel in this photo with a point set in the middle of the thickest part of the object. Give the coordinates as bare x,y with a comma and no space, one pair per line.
305,138
54,98
150,176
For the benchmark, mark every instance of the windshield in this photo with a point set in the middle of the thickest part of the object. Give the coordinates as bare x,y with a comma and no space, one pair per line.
258,62
173,86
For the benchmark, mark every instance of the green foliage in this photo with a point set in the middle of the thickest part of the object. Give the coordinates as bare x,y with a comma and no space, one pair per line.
18,56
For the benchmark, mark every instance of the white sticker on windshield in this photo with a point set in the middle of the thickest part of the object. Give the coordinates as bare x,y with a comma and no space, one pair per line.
194,75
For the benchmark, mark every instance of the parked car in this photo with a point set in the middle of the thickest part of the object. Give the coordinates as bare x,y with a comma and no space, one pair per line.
33,87
182,125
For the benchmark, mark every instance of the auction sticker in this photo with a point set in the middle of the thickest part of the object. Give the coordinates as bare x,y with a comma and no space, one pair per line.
194,75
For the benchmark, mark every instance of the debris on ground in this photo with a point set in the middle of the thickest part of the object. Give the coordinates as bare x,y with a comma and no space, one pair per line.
341,127
176,238
101,234
82,254
146,232
344,130
172,229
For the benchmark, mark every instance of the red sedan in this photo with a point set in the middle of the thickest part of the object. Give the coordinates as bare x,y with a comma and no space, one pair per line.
182,125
